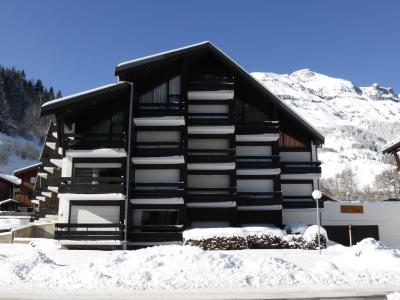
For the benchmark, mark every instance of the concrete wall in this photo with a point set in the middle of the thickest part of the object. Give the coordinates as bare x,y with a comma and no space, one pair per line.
383,214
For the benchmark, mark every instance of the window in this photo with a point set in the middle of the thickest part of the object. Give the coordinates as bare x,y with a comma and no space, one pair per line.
109,125
33,180
156,217
247,113
85,170
167,93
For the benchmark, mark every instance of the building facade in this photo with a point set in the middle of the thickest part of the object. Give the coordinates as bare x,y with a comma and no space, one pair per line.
185,138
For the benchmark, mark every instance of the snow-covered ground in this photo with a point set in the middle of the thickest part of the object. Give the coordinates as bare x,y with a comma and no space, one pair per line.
356,121
182,269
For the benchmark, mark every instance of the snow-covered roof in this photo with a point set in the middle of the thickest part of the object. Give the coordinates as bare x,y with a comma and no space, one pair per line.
132,64
391,146
50,106
8,200
10,178
101,153
27,168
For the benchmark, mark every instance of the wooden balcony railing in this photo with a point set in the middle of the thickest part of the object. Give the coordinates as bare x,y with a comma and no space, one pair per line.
93,141
160,109
159,233
301,167
158,190
211,194
210,118
90,185
266,161
256,127
259,198
88,231
147,149
211,155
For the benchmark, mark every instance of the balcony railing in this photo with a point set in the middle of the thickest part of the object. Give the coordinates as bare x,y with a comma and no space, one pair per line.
265,161
209,118
211,194
92,141
300,202
211,155
301,167
160,109
259,198
158,190
145,149
159,233
88,231
90,185
257,127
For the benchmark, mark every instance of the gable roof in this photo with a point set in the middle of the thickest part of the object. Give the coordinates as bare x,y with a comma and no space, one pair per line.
58,104
26,169
163,56
11,179
391,146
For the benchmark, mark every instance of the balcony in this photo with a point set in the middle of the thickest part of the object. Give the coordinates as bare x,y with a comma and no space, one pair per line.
177,108
259,162
300,202
88,232
257,127
304,167
211,155
211,194
90,185
94,141
155,233
158,190
209,118
259,198
155,149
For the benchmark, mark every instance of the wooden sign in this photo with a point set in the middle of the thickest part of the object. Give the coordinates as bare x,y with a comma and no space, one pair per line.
351,209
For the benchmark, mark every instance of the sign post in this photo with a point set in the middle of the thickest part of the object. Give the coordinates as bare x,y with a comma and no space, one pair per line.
318,195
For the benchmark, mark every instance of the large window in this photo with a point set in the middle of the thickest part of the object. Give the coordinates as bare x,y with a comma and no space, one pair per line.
167,93
247,113
92,171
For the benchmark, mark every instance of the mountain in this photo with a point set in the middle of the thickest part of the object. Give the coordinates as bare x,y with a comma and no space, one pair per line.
356,121
21,129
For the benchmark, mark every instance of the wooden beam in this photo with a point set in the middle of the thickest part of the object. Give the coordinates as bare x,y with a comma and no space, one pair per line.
396,157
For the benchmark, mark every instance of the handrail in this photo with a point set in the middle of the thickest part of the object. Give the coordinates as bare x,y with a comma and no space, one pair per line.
89,225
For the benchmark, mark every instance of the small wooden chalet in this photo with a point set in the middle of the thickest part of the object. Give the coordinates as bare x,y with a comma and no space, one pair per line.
186,138
27,176
393,148
8,183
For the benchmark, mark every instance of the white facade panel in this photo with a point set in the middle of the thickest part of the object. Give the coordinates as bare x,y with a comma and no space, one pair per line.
94,214
299,215
255,185
208,143
157,175
158,136
295,156
212,108
297,189
208,181
253,150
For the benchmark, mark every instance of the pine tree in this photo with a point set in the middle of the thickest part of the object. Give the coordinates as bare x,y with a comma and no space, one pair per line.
4,109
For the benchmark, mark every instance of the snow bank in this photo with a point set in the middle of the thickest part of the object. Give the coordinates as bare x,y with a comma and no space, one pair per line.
393,296
311,233
296,228
184,267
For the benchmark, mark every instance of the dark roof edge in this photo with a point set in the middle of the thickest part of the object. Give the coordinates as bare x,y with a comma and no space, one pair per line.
50,107
27,168
391,146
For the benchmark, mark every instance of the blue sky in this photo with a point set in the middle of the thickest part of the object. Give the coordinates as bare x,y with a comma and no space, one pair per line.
75,45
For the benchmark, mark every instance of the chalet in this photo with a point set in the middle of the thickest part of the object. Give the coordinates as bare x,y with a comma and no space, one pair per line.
393,148
8,183
27,176
185,138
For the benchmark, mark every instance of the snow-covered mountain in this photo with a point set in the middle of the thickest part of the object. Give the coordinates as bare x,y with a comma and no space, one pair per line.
356,121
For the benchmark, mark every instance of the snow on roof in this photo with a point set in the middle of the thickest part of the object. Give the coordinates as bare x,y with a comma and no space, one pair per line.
157,56
391,146
11,179
27,168
103,152
111,196
87,92
8,200
162,160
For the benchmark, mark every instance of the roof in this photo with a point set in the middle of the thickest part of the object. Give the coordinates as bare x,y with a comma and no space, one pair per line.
10,179
58,104
9,200
139,62
391,146
27,168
